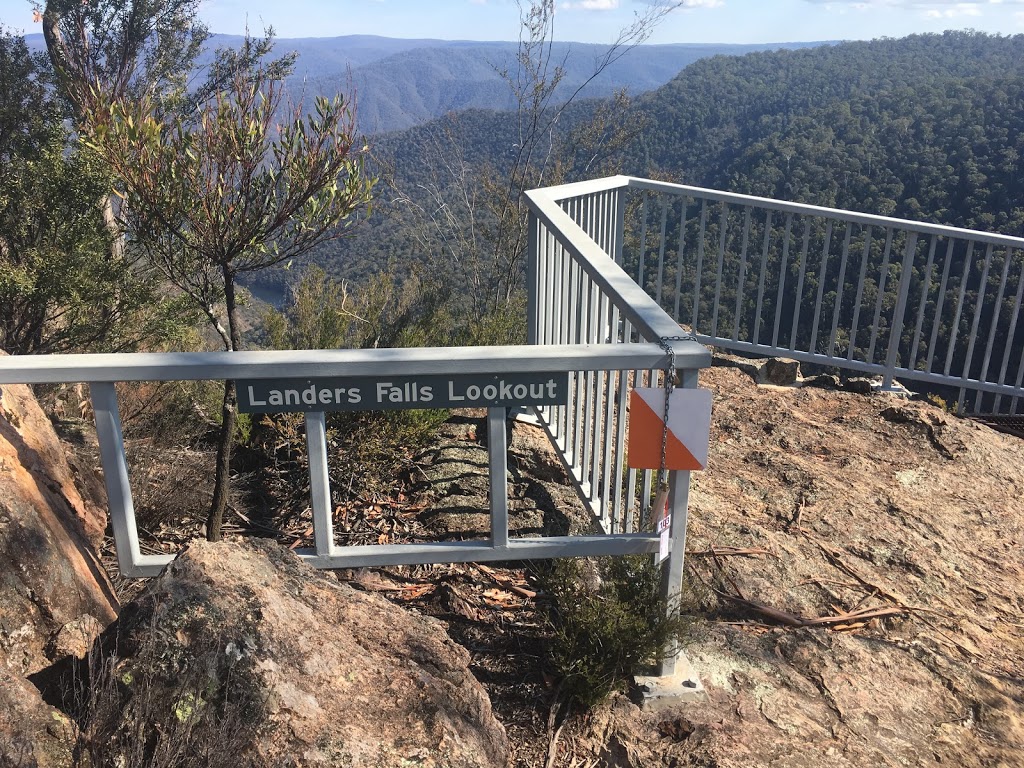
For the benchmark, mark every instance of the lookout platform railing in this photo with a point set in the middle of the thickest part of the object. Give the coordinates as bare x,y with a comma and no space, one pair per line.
593,335
103,371
930,305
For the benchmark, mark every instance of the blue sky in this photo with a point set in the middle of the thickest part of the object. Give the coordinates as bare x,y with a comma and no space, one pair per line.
699,21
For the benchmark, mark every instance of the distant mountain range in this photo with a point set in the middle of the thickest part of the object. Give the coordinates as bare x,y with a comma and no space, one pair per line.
401,83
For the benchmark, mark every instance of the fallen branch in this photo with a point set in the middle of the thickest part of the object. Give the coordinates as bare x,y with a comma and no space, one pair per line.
506,583
834,556
730,552
848,620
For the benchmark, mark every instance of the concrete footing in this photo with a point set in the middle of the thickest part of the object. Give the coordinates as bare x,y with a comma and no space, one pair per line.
664,692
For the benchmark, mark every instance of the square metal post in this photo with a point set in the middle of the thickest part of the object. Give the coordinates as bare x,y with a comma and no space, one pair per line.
497,452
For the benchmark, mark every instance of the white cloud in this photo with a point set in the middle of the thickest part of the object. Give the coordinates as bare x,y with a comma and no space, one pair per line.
611,5
960,9
929,5
592,5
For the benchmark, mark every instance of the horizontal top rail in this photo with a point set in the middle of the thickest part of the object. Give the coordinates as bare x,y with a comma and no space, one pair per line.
615,182
299,364
868,219
634,303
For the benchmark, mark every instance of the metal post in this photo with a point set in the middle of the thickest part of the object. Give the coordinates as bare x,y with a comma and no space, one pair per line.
319,482
532,273
115,475
672,569
498,460
891,358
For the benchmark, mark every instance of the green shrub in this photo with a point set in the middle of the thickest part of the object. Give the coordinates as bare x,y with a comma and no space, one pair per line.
601,637
167,704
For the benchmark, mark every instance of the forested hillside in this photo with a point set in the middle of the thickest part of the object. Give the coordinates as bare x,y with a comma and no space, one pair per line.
926,127
400,83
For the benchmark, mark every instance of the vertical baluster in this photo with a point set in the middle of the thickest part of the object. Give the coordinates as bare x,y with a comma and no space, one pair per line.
661,251
642,267
620,226
723,221
319,483
783,269
646,481
840,291
926,286
532,272
862,276
1008,348
580,302
896,327
954,330
992,328
679,258
882,275
800,283
698,274
939,301
761,277
595,414
608,433
622,505
563,338
976,319
587,415
110,436
497,469
822,271
631,523
743,274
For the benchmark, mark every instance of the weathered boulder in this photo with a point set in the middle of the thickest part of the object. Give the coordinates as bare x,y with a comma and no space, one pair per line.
321,674
859,385
32,733
50,575
780,371
457,488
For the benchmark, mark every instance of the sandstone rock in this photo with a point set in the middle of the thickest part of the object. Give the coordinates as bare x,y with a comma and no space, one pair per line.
822,381
457,488
859,385
329,675
753,367
32,733
49,572
780,371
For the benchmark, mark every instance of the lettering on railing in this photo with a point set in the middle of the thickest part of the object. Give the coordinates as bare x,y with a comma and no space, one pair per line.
508,390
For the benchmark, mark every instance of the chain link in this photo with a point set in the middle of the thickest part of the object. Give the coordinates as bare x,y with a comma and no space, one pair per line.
669,383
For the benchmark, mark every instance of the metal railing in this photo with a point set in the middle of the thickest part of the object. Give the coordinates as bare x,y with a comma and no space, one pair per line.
102,372
881,296
579,295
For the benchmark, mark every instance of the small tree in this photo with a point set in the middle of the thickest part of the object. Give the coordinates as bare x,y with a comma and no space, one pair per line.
228,191
61,288
477,216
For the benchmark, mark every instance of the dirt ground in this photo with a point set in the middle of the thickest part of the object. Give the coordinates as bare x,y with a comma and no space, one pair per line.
855,567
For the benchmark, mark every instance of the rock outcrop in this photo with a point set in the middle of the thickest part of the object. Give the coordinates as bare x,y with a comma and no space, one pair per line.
55,597
323,675
50,576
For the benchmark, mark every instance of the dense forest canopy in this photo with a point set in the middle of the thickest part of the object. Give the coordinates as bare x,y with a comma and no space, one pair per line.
924,127
928,127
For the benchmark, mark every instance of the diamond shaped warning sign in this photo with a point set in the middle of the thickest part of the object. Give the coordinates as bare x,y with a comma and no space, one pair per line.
689,423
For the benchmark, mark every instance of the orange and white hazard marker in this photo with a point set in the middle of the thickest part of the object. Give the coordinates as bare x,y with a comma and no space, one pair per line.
689,425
